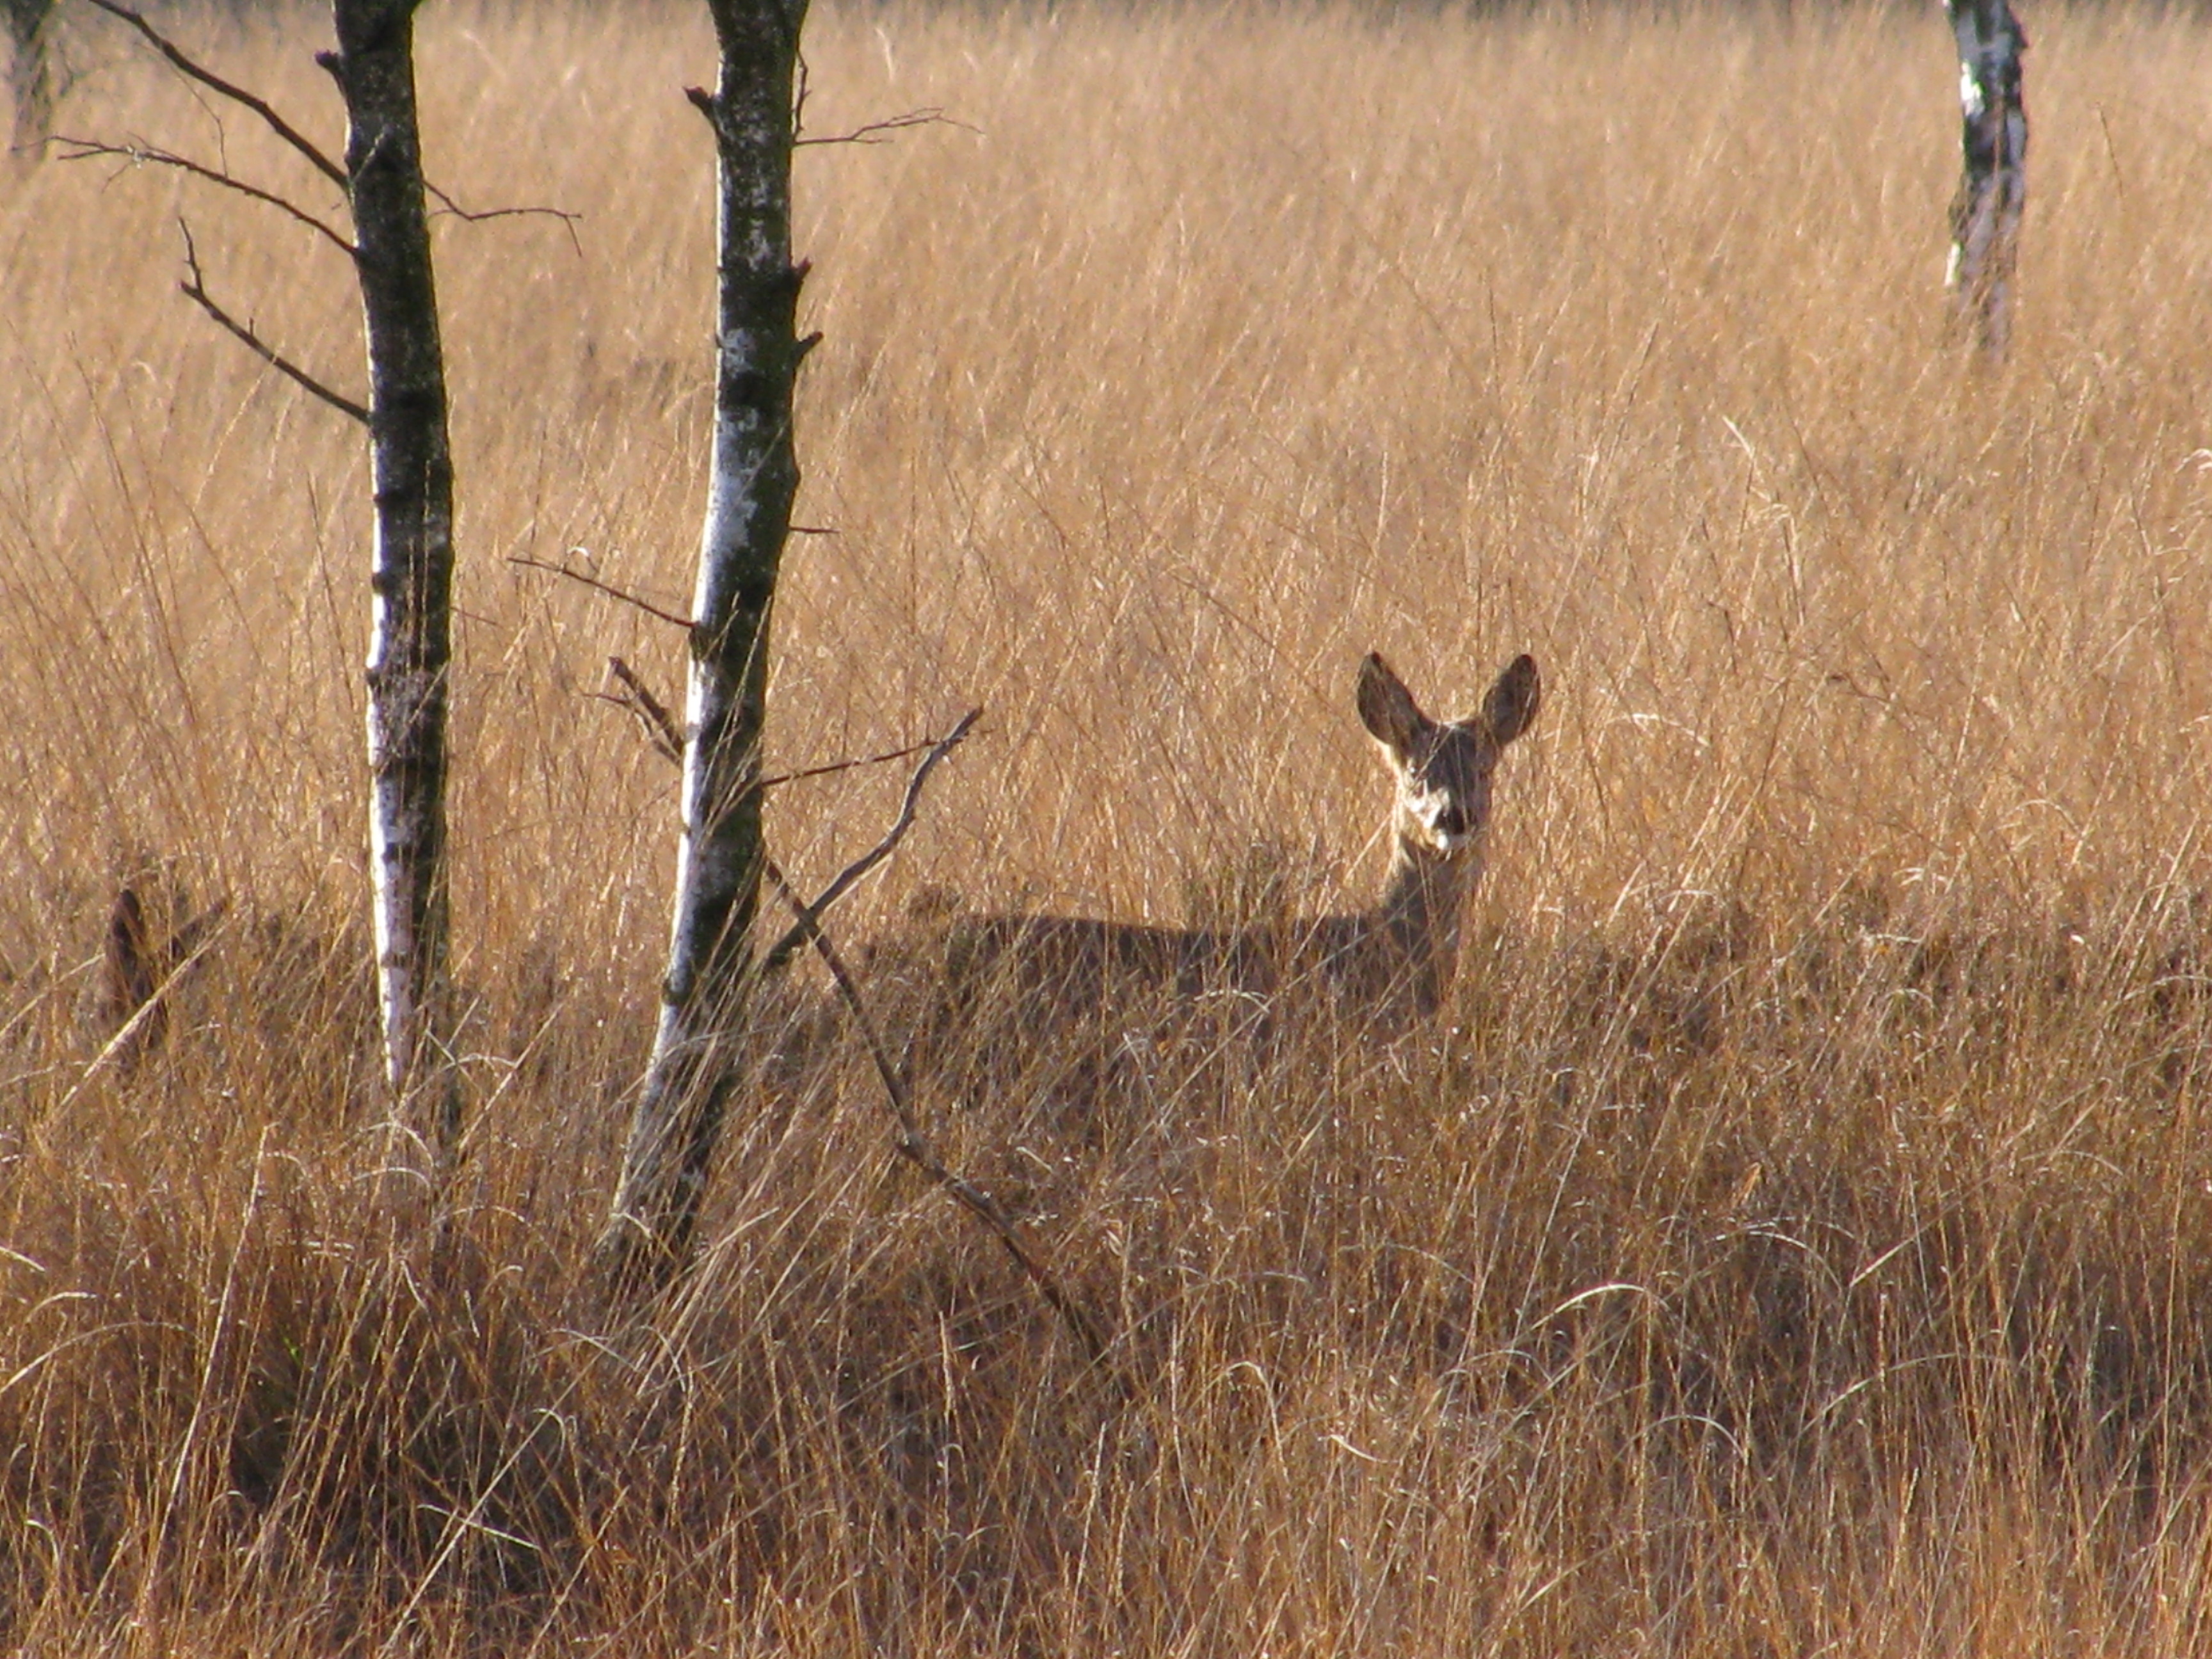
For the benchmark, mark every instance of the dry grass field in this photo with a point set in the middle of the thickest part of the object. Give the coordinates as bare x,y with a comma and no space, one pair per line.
1797,1238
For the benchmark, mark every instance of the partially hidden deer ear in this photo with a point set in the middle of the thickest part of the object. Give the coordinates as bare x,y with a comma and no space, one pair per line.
1387,709
1511,705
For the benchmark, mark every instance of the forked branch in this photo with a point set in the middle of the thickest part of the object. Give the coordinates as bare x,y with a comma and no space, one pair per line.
868,132
193,70
882,132
808,927
914,1146
911,1143
194,288
829,769
85,149
568,220
607,589
666,733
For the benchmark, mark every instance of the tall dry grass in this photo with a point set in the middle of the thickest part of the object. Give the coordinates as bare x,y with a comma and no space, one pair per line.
1794,1240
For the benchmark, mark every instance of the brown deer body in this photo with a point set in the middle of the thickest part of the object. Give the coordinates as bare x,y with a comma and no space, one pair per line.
984,996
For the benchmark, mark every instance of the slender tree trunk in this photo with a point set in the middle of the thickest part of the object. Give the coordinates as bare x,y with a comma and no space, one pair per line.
30,81
1985,215
755,476
411,582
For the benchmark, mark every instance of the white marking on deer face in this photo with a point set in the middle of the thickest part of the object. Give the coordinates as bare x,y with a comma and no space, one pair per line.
1448,798
1444,768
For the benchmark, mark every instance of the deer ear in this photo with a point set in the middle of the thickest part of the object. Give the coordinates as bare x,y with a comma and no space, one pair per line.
1387,709
1511,705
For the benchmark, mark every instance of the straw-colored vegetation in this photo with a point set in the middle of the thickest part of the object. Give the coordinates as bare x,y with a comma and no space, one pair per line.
1796,1238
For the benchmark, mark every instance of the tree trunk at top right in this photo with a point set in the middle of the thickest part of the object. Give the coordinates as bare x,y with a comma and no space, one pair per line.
1985,215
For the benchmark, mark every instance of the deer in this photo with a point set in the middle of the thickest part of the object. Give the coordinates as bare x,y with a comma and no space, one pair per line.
980,990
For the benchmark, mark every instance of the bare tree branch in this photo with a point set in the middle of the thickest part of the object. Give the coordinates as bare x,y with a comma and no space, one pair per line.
568,220
607,589
881,132
869,132
808,927
239,96
85,149
830,767
911,1144
195,288
914,1146
660,725
667,736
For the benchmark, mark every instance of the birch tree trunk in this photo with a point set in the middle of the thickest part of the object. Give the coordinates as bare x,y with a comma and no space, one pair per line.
1985,215
754,477
411,578
30,84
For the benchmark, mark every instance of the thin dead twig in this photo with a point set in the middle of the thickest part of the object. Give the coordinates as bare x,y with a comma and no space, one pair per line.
914,1146
881,132
667,735
195,289
187,67
86,149
829,767
808,927
568,220
607,589
868,132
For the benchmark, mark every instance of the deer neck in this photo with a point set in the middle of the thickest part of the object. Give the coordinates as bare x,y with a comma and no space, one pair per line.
1419,918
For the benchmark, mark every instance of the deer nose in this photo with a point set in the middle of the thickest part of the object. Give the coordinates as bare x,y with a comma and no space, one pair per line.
1452,821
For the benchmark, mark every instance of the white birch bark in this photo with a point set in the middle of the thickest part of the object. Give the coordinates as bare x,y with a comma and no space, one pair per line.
1985,215
411,574
755,476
